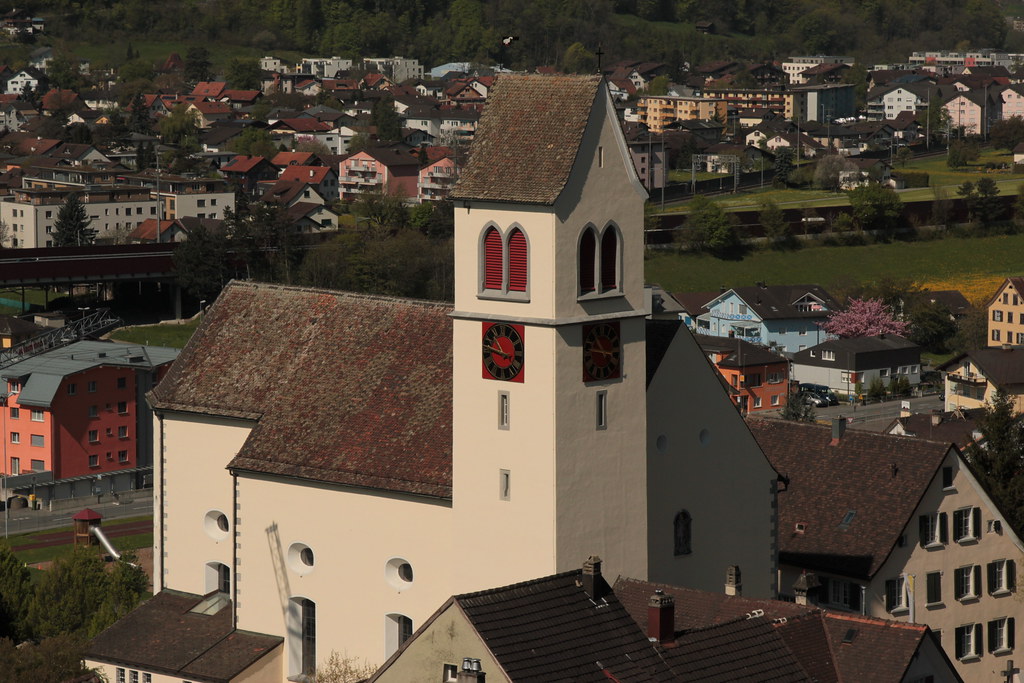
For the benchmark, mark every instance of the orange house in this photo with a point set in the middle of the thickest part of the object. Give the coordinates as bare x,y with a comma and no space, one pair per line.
758,379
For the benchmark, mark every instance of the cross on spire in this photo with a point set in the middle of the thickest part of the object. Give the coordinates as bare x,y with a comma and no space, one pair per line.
599,54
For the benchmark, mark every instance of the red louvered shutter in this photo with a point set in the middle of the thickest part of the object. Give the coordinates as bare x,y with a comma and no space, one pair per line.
492,259
588,248
517,261
609,260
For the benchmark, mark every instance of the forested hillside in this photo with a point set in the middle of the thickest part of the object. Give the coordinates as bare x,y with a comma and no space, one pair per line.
436,31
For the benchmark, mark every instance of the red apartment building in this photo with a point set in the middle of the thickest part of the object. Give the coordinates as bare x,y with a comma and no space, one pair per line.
79,411
758,379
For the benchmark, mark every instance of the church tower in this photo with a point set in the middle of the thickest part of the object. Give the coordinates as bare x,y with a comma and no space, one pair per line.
549,424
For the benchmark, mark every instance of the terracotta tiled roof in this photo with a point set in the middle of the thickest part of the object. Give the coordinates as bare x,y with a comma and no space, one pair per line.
880,650
146,230
880,478
241,95
367,382
306,174
302,125
294,159
530,133
242,164
209,88
550,629
164,636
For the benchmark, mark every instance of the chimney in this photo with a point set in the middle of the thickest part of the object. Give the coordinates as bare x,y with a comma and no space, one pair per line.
838,429
661,618
804,583
593,583
471,671
936,418
733,580
1005,346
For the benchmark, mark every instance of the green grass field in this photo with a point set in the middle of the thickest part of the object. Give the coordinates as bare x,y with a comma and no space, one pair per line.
939,264
175,336
34,555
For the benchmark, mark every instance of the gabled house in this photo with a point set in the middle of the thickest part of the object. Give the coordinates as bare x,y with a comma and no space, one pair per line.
974,110
785,317
15,330
210,90
1005,313
26,78
959,427
238,99
379,169
759,377
842,364
898,528
147,232
307,217
323,178
288,193
972,378
208,113
248,171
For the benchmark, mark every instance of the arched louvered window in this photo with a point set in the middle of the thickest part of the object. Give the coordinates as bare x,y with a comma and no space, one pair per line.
588,249
492,259
517,261
609,260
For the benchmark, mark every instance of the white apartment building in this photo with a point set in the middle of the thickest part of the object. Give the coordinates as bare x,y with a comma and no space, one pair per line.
114,211
797,65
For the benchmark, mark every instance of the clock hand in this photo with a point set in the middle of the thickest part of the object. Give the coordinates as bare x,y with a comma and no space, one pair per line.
602,351
494,349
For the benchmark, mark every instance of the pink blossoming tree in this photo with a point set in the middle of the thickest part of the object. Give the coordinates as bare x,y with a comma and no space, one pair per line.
864,318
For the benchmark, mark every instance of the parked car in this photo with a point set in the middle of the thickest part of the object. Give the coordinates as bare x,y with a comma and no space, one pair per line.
818,395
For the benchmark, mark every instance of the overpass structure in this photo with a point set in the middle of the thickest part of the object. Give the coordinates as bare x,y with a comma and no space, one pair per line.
56,266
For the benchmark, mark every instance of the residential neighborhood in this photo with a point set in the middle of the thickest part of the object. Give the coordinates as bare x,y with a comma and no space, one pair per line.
679,366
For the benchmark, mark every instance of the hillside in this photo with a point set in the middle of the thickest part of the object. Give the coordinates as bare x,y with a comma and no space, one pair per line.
436,31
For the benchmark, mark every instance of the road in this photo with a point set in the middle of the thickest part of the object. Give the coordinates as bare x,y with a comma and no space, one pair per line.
22,520
875,417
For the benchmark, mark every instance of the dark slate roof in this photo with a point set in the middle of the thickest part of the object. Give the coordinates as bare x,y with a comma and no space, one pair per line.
861,353
530,134
359,412
953,427
952,299
163,636
741,650
773,302
549,629
11,326
879,477
699,609
693,302
741,353
1002,367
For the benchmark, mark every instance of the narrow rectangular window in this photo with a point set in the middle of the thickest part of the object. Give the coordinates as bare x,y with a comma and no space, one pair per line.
92,386
947,477
72,389
15,437
505,485
503,410
934,580
38,440
600,157
602,409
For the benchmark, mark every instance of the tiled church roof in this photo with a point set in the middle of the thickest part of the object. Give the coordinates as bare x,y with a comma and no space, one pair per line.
528,137
344,388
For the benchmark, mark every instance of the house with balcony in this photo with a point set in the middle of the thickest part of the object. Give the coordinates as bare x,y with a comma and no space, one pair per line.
897,528
437,179
79,412
758,379
973,111
658,111
114,211
972,378
186,197
379,169
842,364
787,318
248,171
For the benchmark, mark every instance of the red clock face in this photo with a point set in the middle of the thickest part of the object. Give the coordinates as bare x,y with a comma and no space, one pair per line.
503,352
602,352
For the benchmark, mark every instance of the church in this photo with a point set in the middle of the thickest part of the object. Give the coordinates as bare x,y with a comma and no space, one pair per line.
331,467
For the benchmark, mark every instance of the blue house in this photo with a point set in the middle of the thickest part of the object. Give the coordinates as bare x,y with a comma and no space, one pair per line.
785,317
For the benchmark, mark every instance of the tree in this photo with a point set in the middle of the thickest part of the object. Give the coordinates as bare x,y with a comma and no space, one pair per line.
864,318
265,241
783,165
81,582
72,225
197,65
876,208
383,212
15,586
828,171
1007,133
136,70
797,409
712,228
982,200
243,74
253,141
931,326
200,263
180,125
52,660
999,459
139,119
961,153
658,85
338,668
777,229
62,72
385,117
579,60
904,156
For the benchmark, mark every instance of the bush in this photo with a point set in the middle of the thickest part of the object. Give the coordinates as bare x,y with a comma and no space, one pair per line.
914,178
876,390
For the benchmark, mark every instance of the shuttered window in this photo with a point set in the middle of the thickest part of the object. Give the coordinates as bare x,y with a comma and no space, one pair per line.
517,261
588,249
609,260
492,259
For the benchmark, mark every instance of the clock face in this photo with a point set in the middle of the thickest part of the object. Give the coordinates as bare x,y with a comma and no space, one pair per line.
503,351
602,352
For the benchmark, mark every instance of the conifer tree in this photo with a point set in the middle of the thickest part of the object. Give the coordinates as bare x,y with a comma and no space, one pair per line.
72,225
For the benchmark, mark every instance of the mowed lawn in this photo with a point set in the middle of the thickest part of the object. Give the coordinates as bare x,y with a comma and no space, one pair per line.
975,266
175,336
